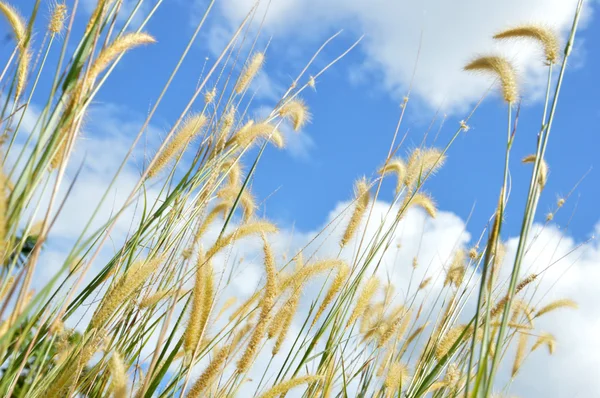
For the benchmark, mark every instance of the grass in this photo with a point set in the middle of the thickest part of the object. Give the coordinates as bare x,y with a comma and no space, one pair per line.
163,320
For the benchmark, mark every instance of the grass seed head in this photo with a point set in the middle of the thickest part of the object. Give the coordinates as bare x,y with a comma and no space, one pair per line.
500,68
250,71
541,34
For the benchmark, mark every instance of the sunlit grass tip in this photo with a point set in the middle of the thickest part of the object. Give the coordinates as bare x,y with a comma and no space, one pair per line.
541,34
501,69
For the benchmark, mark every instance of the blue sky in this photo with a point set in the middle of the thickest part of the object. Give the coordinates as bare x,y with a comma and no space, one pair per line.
355,114
355,109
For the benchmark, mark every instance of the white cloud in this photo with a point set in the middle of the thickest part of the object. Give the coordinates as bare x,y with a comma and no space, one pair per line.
452,34
573,369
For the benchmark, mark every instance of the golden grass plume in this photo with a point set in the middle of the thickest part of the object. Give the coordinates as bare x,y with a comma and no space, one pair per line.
118,374
543,172
541,34
287,385
561,303
119,46
190,128
367,292
57,19
361,188
249,72
501,69
296,111
135,276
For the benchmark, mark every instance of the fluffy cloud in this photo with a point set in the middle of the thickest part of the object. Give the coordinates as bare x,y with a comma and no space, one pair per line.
566,268
445,34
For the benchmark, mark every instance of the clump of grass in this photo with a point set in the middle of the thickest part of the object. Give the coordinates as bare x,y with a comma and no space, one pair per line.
162,308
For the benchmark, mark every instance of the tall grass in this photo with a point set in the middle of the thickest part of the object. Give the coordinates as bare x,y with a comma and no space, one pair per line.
162,320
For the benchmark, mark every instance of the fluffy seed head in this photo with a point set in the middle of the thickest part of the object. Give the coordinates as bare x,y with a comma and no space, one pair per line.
449,340
117,47
251,131
22,71
296,111
548,339
57,20
456,272
202,297
212,370
425,202
397,167
209,96
361,189
543,172
135,277
190,128
249,72
305,273
502,69
397,376
364,298
289,310
253,228
118,374
285,386
560,202
543,35
424,283
422,162
270,293
16,22
520,355
342,274
562,303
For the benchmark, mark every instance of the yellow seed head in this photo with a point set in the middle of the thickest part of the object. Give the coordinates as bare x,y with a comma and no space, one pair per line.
424,283
502,303
190,128
251,131
296,111
562,303
202,298
212,370
449,340
135,277
361,189
153,299
500,68
548,339
342,274
57,20
209,96
396,167
22,72
543,172
397,376
456,272
119,46
560,202
473,253
520,355
421,163
16,22
270,293
230,193
285,386
425,202
290,310
543,35
118,374
249,72
364,298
